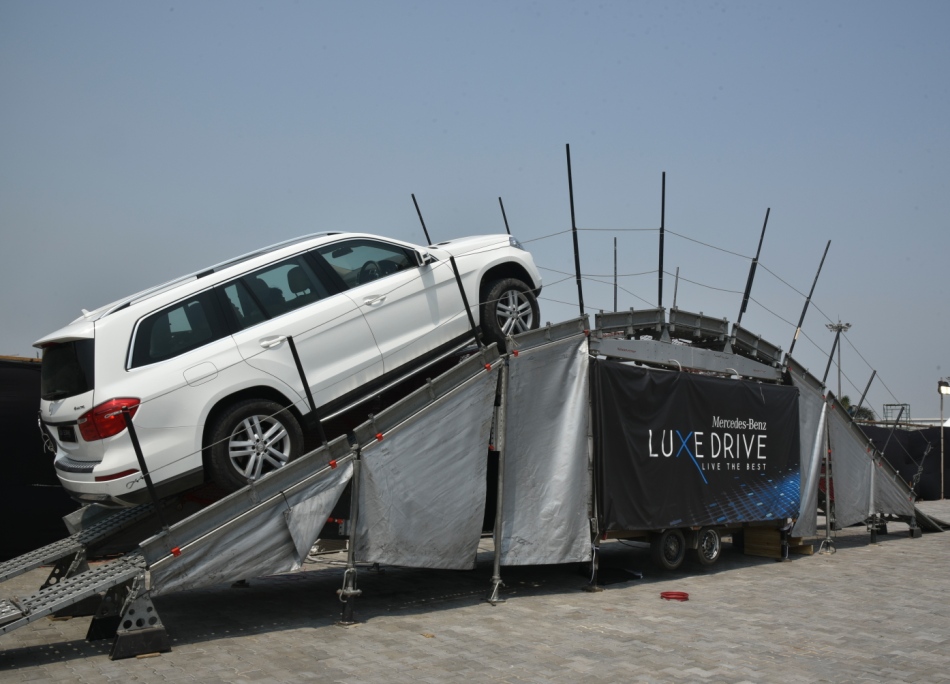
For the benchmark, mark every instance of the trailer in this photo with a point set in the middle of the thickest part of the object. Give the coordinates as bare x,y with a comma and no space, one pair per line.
673,430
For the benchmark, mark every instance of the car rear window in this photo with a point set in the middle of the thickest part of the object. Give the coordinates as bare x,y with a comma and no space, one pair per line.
67,369
178,329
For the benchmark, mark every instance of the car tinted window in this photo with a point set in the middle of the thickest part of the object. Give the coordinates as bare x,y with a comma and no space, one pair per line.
284,286
362,261
67,369
177,329
247,312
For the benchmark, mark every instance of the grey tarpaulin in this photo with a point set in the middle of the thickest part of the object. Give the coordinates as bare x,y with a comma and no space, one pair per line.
306,518
850,470
891,494
258,542
547,483
422,488
811,421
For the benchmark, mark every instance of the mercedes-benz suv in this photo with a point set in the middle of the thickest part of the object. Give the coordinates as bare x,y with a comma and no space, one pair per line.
221,371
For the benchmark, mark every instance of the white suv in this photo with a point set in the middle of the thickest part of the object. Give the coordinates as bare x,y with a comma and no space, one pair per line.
211,366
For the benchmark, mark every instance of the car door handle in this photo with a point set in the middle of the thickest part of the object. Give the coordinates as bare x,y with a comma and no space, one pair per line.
271,342
374,300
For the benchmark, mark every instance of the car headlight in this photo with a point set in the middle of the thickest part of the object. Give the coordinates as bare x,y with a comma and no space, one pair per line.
513,241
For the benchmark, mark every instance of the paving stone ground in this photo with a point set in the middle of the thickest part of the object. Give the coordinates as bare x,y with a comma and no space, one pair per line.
868,613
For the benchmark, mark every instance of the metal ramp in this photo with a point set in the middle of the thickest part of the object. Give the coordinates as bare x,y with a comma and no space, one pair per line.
267,527
78,542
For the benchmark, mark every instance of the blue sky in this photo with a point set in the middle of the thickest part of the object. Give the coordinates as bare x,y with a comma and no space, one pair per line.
140,141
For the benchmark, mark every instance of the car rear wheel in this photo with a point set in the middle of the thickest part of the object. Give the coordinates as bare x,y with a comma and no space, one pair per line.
510,307
250,439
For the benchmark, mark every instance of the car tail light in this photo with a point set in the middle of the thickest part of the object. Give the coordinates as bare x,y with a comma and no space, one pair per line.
106,419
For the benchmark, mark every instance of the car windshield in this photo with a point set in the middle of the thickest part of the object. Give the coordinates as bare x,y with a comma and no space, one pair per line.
67,369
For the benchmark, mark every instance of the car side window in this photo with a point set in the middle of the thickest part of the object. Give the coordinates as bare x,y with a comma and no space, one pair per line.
361,261
246,311
177,329
275,290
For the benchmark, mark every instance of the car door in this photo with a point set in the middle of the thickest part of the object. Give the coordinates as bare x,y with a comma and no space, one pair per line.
333,340
411,309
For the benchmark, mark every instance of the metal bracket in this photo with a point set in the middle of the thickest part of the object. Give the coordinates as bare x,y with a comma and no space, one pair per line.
140,629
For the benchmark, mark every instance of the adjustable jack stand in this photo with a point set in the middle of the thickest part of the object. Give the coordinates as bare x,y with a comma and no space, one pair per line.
494,593
348,595
593,587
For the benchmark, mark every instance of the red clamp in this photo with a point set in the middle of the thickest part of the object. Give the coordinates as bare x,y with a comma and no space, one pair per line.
379,436
332,464
176,551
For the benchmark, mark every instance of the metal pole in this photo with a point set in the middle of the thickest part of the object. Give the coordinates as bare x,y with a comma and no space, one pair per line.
755,263
824,377
801,320
428,240
837,329
577,252
501,426
615,274
827,545
941,446
865,394
507,229
659,297
349,592
468,310
127,416
314,418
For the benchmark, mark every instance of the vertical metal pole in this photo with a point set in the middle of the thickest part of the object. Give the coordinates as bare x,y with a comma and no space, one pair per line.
349,592
315,419
507,229
500,439
941,446
577,252
127,416
830,548
676,285
468,310
659,296
801,320
428,240
755,263
615,275
824,377
839,368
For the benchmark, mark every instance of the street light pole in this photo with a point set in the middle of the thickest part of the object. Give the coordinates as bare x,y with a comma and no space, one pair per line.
943,387
838,328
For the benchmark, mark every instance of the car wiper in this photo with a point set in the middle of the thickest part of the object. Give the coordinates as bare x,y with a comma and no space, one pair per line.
56,394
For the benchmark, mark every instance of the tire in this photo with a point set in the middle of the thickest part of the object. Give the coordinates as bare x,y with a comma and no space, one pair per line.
510,307
250,439
668,548
708,546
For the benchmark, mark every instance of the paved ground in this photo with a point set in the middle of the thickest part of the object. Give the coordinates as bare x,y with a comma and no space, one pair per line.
867,613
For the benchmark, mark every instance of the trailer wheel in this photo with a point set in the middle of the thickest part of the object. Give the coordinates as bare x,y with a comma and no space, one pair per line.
668,548
708,547
250,439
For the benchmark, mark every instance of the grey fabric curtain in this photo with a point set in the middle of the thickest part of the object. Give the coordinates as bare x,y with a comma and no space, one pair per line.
811,421
547,483
422,489
267,539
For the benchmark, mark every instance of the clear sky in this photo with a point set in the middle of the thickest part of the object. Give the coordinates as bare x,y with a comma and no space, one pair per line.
141,141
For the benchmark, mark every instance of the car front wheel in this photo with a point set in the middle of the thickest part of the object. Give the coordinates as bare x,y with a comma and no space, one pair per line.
509,308
250,439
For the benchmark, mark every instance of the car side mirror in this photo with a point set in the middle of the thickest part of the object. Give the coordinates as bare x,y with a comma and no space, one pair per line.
422,257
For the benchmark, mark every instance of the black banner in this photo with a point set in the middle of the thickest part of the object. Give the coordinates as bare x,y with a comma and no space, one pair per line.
676,449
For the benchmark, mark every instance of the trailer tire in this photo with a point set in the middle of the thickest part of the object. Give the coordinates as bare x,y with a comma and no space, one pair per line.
708,546
234,449
668,548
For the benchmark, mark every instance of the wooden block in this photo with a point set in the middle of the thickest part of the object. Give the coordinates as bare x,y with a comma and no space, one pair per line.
765,542
803,549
